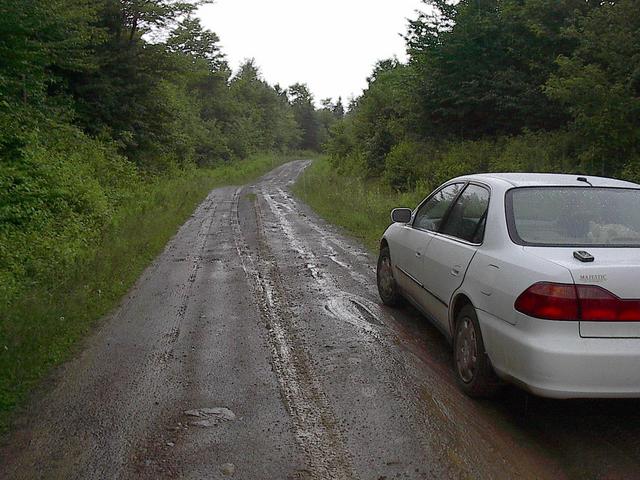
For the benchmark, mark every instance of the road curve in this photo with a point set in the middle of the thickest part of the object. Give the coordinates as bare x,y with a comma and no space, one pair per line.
255,347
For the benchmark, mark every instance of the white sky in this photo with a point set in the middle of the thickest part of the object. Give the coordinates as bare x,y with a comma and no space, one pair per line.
331,45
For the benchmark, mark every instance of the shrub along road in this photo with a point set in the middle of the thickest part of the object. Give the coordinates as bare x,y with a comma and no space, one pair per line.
255,346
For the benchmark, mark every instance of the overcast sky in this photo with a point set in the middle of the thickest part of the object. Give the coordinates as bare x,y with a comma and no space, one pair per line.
331,45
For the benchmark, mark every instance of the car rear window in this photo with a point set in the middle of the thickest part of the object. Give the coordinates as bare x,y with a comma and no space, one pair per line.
574,216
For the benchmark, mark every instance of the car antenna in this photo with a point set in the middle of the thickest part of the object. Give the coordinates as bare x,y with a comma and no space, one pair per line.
584,179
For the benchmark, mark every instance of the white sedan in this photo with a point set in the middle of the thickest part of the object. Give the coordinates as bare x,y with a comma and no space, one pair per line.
534,278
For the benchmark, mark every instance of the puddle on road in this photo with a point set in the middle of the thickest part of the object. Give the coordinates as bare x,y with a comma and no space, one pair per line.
357,311
366,311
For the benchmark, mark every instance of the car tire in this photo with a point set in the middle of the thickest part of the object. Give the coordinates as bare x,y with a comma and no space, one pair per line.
387,286
471,363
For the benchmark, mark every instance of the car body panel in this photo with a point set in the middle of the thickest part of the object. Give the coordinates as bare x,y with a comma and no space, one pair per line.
410,245
445,265
513,272
551,359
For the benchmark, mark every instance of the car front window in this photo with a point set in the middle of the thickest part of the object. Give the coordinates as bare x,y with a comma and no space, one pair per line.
574,216
430,214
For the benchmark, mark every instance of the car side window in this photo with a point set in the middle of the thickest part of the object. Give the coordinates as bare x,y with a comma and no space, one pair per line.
468,216
430,214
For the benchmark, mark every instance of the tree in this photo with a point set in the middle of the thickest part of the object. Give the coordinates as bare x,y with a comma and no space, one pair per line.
338,109
383,115
135,18
143,75
40,39
599,83
197,43
305,114
326,117
262,117
482,64
129,67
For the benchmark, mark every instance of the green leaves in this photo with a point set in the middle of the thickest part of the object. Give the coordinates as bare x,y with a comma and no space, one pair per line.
598,84
192,40
138,17
305,114
482,65
39,40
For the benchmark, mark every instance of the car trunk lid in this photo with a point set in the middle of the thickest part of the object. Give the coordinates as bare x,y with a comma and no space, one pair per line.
617,270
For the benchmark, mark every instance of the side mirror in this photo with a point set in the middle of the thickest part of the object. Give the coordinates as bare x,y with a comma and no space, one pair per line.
401,215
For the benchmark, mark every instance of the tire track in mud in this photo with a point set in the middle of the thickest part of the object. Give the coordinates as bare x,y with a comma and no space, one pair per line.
316,428
343,306
329,240
184,293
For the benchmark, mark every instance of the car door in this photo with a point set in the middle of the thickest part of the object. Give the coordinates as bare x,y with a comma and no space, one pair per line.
451,250
412,240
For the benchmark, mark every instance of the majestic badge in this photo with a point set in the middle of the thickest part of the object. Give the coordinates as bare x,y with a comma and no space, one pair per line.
598,278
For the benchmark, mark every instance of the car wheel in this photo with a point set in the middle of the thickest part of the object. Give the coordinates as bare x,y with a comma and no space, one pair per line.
387,286
473,369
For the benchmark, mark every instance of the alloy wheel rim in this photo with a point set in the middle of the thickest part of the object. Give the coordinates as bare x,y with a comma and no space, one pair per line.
466,351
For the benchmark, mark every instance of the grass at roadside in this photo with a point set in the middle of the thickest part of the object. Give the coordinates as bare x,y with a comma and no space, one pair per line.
39,329
361,207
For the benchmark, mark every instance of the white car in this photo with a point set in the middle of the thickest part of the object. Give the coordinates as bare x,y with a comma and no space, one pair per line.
534,278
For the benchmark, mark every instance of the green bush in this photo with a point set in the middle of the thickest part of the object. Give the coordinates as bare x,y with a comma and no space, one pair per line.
56,196
412,163
631,170
463,158
407,163
536,152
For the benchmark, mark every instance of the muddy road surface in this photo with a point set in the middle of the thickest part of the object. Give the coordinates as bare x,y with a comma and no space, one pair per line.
255,347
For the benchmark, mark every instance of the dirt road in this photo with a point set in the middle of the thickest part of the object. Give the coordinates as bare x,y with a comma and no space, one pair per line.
255,347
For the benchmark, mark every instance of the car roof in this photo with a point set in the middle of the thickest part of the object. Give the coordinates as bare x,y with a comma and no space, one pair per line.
547,180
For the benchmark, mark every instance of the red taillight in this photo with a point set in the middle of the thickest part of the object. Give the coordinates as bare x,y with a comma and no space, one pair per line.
560,301
600,305
551,301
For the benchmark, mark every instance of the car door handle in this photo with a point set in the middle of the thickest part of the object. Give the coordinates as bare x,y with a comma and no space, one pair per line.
455,271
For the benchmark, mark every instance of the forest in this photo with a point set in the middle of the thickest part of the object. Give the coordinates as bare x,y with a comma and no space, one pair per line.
496,85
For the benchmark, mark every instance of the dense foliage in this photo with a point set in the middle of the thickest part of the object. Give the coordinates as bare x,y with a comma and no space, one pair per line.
538,85
97,97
